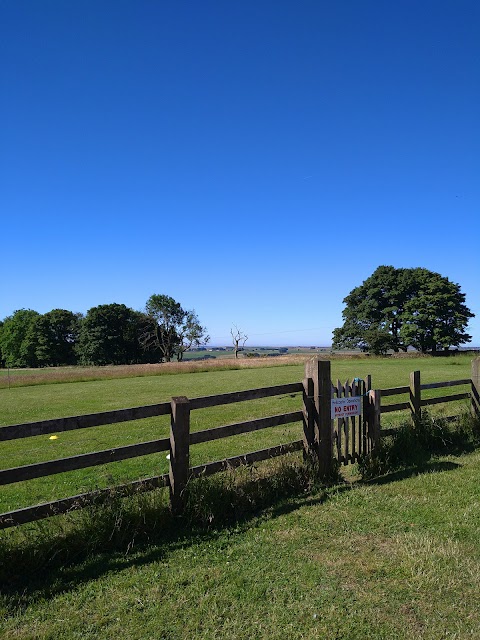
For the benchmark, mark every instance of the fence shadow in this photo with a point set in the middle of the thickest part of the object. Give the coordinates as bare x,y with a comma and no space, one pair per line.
51,562
118,535
409,472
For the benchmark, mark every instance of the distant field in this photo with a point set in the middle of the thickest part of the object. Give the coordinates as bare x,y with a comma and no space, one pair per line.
42,401
193,361
228,353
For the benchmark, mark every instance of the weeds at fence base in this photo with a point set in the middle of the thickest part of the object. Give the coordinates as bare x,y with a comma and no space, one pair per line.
413,445
122,525
238,494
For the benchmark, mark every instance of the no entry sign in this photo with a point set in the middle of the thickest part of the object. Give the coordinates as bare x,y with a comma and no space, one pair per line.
346,407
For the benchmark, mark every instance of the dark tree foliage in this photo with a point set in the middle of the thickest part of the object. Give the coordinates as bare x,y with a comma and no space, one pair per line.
17,349
436,318
54,337
109,334
2,358
170,329
398,308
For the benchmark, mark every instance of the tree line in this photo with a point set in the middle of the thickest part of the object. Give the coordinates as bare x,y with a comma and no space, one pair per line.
106,334
392,310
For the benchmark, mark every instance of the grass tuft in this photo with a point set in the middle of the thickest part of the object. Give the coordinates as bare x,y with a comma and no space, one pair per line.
413,445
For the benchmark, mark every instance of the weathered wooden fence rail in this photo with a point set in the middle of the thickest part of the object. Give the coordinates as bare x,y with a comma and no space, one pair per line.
178,444
323,439
415,401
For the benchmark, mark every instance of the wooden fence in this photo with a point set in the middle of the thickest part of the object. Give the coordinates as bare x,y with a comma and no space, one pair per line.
415,400
323,439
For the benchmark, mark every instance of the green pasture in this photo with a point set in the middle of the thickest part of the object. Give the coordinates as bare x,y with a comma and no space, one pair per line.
396,559
32,403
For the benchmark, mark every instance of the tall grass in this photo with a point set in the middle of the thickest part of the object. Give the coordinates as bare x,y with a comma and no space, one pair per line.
59,375
414,444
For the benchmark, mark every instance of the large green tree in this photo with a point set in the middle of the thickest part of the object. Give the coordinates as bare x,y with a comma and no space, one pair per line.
18,350
170,329
109,334
54,337
2,358
436,317
397,308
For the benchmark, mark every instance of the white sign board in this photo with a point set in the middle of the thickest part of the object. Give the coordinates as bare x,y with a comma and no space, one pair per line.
346,407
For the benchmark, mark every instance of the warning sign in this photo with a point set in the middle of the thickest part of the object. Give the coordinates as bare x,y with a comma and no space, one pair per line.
346,407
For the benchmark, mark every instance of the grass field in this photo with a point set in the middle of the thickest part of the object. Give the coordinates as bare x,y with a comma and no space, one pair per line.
392,561
396,559
36,402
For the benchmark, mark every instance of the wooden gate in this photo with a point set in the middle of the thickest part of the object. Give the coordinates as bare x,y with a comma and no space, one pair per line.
352,437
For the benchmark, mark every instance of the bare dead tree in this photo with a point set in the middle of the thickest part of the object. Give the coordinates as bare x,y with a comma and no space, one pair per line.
239,338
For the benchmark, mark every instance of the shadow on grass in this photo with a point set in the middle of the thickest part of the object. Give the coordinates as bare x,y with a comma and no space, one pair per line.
409,472
43,559
48,557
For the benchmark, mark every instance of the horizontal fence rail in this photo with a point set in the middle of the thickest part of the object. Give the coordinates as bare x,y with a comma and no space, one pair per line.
242,396
248,458
65,505
58,425
52,467
346,439
416,402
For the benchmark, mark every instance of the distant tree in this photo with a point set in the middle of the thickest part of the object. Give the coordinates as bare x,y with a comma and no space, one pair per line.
170,329
2,358
238,338
397,308
55,336
17,348
190,334
109,334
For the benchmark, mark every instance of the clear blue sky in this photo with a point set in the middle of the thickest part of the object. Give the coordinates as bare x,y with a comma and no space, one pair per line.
255,160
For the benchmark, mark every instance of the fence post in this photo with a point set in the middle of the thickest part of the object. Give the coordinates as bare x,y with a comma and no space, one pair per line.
415,396
308,418
375,401
179,451
476,387
365,418
319,372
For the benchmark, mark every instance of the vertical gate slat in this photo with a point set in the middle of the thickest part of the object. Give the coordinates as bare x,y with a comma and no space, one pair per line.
335,427
361,438
346,425
354,430
339,425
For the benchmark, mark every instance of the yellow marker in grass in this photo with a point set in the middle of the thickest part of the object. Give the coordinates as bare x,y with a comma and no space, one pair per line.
53,438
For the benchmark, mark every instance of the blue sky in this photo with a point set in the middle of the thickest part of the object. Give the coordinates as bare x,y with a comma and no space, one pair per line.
254,160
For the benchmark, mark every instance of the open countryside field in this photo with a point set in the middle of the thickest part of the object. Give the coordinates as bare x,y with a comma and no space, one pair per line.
44,401
392,560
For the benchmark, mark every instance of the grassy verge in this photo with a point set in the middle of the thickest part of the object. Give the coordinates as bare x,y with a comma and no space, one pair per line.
390,560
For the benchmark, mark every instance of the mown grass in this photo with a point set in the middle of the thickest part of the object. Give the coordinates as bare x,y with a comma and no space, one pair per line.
262,552
394,560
